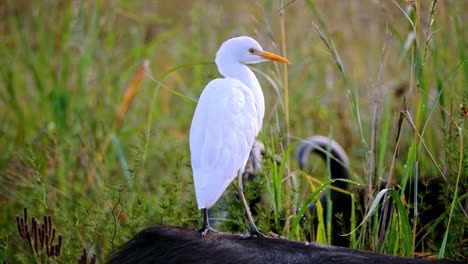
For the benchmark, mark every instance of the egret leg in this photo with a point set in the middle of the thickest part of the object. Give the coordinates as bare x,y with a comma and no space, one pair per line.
253,228
206,225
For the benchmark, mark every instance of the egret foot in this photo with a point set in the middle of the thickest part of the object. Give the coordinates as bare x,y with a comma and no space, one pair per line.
253,232
206,225
205,229
257,233
253,228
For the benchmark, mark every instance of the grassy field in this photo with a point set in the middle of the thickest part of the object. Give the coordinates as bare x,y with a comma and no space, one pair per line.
97,97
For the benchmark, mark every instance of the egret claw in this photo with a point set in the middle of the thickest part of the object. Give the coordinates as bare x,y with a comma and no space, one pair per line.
257,233
205,229
253,232
206,225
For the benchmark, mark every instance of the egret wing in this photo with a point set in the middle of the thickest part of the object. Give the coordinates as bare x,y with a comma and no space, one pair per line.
222,133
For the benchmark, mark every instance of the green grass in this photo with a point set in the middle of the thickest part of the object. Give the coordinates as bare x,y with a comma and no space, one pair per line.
385,79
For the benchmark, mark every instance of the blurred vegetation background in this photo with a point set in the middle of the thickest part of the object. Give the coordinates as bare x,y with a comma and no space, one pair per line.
97,97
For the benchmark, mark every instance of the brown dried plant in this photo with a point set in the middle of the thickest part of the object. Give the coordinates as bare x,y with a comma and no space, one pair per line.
40,238
84,258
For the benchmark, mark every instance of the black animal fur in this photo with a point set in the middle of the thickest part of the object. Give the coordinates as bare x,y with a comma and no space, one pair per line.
170,245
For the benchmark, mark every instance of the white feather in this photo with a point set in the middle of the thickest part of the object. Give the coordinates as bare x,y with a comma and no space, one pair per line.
222,134
227,119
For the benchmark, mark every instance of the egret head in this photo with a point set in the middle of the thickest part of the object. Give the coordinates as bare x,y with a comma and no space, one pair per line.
244,50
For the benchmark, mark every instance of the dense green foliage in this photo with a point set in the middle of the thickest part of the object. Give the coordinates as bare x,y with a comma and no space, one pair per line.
385,79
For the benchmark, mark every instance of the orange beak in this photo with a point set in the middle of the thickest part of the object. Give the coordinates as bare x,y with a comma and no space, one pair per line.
273,57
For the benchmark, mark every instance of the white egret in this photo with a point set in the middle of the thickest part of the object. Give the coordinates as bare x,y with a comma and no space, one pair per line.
227,119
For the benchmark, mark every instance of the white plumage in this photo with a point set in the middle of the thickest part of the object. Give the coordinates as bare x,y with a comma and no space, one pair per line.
223,130
227,119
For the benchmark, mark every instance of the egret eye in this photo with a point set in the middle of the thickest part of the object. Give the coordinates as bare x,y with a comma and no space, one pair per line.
252,50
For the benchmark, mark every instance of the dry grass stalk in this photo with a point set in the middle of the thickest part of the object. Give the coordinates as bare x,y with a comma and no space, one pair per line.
84,258
40,238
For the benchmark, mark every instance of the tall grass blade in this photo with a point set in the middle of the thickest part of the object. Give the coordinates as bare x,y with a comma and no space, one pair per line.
312,197
404,224
455,194
130,94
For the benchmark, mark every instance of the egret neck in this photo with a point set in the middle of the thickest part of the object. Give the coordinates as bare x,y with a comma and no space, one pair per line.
241,72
